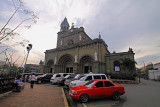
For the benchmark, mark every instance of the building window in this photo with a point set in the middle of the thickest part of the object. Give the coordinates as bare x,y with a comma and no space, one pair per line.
61,42
80,37
70,42
116,66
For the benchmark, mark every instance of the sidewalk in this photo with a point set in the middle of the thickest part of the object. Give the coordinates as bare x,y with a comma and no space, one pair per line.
40,96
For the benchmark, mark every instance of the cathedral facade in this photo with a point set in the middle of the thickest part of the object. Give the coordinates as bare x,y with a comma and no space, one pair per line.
76,52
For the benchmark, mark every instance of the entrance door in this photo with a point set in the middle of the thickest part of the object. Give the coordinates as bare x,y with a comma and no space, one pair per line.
87,69
50,70
69,69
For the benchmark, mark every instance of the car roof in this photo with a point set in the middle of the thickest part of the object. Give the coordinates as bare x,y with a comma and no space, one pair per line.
49,73
93,74
64,73
100,80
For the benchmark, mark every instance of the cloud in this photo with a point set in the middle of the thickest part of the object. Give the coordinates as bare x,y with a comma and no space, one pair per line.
122,24
35,56
6,10
148,59
123,21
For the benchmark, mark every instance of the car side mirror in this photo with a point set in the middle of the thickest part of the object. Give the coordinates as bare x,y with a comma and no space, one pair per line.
94,86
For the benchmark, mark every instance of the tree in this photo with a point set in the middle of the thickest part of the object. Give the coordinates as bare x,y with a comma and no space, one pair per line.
13,68
149,66
129,64
28,68
8,33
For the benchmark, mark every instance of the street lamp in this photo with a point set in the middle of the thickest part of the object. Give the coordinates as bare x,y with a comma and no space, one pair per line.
139,76
29,47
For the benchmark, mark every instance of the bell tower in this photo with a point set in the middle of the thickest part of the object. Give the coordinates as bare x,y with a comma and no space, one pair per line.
64,25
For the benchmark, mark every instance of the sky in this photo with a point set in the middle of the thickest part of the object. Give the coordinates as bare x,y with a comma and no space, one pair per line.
123,24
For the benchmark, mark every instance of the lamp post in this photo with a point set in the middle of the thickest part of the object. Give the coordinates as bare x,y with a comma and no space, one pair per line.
29,47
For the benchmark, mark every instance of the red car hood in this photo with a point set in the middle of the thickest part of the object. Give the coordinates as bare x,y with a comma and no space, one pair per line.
77,88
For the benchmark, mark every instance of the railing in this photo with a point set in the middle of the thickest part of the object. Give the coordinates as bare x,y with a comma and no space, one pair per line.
122,76
6,82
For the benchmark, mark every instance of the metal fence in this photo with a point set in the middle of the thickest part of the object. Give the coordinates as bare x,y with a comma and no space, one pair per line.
6,82
123,76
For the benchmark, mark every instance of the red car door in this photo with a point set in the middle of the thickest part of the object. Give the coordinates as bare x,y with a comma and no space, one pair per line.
98,89
109,88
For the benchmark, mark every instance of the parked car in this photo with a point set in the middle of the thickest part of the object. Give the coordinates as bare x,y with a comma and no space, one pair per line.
36,74
44,78
77,77
62,80
86,78
97,89
28,74
56,77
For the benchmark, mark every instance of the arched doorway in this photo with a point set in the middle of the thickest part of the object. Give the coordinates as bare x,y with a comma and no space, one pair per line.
49,64
66,63
86,64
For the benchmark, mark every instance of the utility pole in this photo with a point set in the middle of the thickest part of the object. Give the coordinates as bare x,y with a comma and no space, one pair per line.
145,70
29,47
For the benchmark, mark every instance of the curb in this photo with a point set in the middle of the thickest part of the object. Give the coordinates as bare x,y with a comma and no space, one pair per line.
65,100
5,94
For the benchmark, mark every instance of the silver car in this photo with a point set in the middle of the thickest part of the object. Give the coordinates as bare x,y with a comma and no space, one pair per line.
77,77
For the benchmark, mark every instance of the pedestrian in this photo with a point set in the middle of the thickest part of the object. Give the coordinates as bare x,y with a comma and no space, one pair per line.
25,79
16,83
32,79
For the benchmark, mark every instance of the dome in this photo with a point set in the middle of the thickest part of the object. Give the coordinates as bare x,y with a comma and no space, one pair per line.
65,22
64,25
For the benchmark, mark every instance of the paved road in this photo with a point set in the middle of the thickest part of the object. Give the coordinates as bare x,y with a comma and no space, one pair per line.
137,95
147,95
41,96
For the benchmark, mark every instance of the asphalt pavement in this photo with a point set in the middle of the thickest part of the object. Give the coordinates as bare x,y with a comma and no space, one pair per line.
146,94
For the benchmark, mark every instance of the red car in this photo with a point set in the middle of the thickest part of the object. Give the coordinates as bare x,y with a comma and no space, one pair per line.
97,89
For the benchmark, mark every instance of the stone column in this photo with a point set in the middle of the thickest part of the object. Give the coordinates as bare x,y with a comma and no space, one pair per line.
75,68
95,67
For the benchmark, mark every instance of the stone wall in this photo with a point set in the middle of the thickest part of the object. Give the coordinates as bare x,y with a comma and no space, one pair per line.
111,58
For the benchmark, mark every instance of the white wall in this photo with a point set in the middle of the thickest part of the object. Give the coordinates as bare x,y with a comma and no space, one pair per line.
157,66
154,74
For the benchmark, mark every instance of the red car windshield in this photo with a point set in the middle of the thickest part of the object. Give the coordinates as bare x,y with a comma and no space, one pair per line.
90,84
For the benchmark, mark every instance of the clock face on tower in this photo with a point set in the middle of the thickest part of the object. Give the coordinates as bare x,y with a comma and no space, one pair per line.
70,42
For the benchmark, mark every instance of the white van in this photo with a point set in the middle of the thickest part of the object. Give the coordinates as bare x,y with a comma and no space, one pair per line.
56,77
87,78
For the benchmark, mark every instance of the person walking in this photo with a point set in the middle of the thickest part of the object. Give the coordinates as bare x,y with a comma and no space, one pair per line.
32,79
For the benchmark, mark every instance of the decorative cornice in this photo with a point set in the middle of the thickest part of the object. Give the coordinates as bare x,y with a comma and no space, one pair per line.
119,54
77,45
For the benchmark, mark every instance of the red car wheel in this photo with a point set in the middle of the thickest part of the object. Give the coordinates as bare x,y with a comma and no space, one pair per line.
84,98
116,96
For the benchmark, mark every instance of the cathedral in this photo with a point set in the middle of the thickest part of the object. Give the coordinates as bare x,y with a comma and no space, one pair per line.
76,52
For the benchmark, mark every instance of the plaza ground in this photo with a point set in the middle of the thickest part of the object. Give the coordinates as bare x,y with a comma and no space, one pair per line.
42,95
